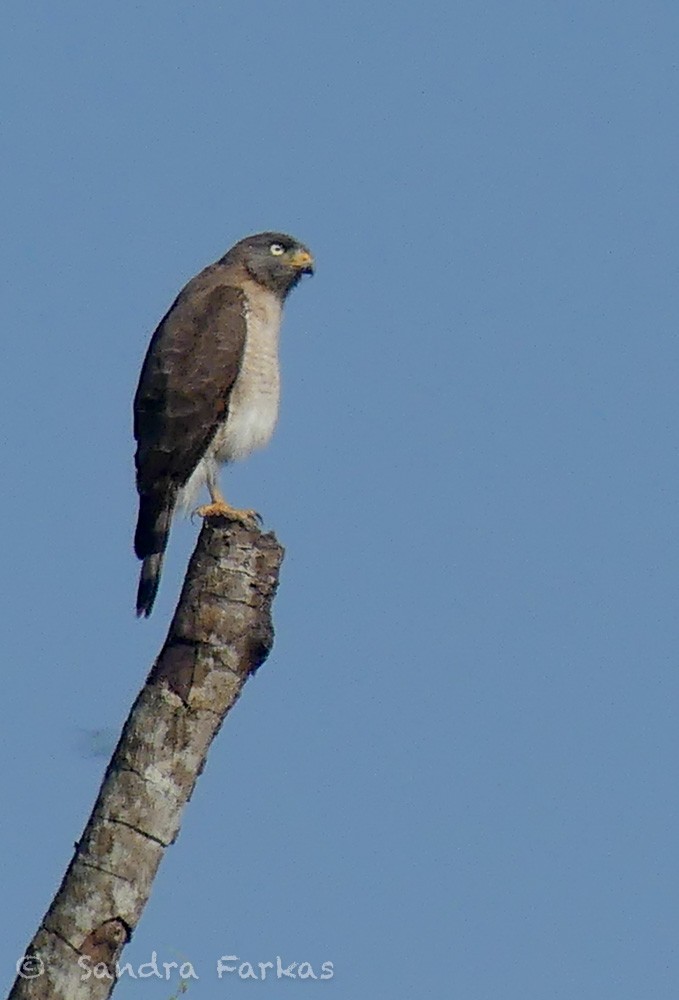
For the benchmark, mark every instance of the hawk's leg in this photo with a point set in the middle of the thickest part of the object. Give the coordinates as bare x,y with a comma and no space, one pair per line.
220,508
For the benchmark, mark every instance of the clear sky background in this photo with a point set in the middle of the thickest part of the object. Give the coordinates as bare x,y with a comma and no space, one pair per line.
456,774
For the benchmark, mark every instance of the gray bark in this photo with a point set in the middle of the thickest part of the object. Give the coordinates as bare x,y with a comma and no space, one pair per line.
221,633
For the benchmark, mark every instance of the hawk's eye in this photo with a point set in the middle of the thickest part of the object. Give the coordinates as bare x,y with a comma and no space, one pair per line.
277,249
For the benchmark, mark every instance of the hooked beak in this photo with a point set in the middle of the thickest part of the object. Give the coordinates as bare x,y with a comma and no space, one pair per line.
302,261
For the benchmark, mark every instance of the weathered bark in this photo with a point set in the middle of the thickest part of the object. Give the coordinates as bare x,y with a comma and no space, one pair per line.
221,633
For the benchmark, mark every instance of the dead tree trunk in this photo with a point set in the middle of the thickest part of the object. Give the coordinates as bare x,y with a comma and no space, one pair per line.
221,633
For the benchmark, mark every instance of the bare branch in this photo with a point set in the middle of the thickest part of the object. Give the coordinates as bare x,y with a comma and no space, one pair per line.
221,633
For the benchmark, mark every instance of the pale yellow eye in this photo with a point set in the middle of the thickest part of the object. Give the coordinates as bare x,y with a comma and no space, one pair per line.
276,249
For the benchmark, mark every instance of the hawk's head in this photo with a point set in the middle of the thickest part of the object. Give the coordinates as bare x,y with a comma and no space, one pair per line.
274,260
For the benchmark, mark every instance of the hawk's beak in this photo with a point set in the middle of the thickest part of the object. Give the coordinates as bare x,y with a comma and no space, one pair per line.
302,261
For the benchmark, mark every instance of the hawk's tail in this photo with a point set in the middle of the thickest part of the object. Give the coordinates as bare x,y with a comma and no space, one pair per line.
150,541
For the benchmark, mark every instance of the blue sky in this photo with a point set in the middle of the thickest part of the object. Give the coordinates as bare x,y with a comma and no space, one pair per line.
455,774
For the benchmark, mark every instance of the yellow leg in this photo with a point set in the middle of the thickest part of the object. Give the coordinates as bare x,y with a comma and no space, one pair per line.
220,508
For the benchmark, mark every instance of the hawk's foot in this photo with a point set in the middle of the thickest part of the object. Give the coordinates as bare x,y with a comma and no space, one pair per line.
249,518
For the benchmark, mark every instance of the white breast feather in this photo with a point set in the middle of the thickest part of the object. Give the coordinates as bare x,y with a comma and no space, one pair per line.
253,402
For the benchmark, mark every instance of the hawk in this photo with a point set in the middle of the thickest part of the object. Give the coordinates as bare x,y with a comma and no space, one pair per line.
209,389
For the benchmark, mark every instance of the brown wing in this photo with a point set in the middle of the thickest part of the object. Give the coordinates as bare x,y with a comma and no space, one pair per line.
183,394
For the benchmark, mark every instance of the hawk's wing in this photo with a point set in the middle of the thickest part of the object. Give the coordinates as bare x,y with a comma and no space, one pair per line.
190,367
182,398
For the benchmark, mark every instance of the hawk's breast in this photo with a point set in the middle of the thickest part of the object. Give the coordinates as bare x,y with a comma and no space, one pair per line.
253,400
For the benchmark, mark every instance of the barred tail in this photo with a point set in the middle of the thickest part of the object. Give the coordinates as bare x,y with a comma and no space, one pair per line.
150,542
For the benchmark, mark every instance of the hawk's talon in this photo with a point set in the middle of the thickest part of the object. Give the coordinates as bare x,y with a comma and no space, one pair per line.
248,518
